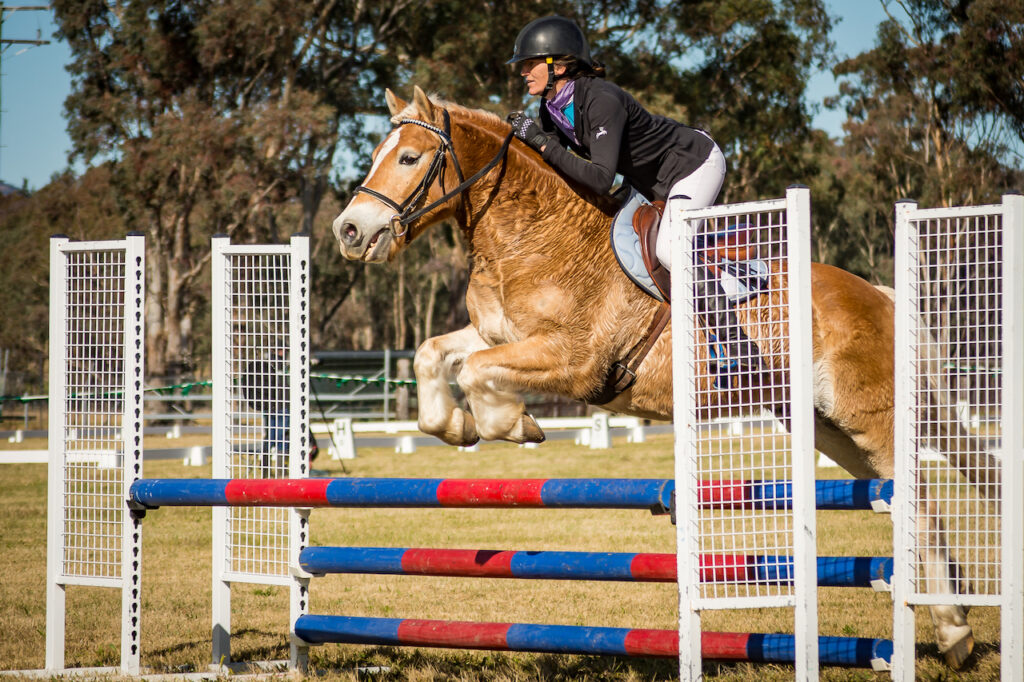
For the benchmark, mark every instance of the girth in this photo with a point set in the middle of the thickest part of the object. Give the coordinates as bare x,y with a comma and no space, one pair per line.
622,373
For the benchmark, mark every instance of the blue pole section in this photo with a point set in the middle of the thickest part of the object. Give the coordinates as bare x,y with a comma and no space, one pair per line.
861,571
619,493
383,492
833,571
851,652
839,494
174,492
856,494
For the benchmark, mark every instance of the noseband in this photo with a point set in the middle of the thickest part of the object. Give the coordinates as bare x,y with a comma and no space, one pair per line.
404,212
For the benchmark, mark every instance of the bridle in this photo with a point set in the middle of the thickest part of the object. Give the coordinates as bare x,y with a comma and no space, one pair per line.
404,212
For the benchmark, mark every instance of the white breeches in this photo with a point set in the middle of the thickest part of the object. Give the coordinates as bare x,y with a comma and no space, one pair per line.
699,189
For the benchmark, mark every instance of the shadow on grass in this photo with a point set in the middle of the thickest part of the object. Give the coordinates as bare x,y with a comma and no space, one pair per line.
388,664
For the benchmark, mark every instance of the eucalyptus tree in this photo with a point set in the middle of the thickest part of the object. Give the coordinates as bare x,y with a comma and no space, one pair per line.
217,114
934,112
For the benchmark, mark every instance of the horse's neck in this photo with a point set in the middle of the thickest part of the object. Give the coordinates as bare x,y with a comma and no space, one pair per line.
523,205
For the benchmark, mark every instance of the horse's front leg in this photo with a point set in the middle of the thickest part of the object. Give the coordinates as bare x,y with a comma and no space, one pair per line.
438,361
493,380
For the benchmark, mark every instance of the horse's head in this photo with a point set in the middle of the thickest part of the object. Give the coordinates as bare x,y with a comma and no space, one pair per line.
408,175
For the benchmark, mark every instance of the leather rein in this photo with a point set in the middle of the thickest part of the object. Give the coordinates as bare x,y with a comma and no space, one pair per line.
406,212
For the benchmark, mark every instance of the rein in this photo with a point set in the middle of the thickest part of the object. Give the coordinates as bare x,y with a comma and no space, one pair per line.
404,213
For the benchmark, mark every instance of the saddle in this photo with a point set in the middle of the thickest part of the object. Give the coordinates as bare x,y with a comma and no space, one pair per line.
646,221
622,373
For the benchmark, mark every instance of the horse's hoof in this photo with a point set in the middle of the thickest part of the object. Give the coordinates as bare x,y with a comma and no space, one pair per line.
958,653
461,429
525,431
464,426
531,432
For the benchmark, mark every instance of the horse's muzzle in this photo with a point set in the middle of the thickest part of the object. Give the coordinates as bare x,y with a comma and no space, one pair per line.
356,244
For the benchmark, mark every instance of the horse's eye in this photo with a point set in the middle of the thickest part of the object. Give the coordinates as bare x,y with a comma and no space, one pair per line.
408,159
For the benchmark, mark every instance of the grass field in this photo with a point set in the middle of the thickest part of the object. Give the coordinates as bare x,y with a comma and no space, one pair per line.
177,579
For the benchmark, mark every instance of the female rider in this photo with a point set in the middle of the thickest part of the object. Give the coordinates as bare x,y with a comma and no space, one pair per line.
611,133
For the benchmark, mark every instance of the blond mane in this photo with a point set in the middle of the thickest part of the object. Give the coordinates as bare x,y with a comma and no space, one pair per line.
545,177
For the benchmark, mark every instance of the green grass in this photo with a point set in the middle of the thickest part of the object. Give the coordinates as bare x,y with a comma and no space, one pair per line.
177,579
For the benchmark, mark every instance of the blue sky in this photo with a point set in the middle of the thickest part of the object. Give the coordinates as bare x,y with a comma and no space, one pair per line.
34,84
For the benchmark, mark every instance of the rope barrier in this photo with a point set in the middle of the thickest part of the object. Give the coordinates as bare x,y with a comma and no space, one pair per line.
186,388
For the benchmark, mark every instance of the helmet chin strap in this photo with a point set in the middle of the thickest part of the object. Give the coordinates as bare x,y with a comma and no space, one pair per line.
551,77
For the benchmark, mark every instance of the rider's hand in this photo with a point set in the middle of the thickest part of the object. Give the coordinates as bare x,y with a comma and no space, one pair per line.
527,130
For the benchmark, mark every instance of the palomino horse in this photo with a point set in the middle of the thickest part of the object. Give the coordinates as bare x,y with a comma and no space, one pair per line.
551,310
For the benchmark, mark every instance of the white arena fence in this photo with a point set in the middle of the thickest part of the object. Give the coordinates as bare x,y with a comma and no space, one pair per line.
960,351
594,432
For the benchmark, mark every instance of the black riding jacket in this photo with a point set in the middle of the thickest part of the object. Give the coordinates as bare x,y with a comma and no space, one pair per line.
617,135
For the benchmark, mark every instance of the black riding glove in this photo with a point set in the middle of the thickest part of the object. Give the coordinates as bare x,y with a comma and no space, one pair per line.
528,130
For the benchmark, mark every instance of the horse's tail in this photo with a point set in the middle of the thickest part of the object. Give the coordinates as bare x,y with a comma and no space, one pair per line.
944,431
943,428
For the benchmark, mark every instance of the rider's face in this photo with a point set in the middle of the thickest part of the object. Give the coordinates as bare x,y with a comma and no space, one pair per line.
535,73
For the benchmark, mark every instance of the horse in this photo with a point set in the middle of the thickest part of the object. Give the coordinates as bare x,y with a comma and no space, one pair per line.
551,311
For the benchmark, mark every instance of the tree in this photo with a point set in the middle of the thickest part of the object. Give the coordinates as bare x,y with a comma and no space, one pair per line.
912,131
737,69
216,116
81,208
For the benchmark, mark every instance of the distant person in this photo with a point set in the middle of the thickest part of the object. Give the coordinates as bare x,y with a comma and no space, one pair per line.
265,387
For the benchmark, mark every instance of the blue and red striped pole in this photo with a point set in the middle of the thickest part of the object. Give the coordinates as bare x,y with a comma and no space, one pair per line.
580,493
613,493
639,567
584,640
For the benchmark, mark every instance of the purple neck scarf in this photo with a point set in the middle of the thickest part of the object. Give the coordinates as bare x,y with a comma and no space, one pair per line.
558,104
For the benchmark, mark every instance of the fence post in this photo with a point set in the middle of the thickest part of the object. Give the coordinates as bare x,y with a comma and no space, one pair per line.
402,391
903,445
387,384
220,336
56,591
1012,570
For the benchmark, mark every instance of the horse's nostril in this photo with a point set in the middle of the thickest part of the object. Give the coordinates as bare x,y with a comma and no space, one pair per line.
349,233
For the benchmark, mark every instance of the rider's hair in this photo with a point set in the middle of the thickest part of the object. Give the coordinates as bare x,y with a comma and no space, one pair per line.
574,68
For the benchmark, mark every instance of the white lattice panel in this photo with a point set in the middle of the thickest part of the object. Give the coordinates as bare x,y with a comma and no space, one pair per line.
756,256
95,429
261,414
959,412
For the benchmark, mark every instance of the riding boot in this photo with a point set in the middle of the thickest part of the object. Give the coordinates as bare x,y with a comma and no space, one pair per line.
731,352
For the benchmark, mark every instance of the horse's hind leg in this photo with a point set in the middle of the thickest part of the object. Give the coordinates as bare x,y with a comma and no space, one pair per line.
438,361
942,576
952,633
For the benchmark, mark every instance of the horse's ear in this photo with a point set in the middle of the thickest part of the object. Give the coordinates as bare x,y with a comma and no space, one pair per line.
423,103
395,104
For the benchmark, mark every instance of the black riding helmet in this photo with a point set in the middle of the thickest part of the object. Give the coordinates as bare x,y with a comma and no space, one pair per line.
553,36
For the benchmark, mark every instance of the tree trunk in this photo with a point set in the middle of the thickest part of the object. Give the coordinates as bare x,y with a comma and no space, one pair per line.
156,358
404,371
400,321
